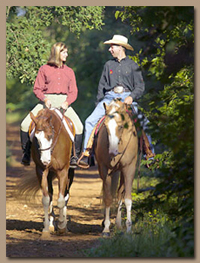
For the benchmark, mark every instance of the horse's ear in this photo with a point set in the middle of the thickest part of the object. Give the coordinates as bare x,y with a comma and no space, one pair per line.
125,106
33,117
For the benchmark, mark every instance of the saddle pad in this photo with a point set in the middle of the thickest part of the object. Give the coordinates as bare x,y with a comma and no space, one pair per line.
31,130
131,115
99,124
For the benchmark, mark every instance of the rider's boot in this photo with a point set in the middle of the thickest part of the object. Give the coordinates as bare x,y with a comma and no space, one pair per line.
26,147
78,146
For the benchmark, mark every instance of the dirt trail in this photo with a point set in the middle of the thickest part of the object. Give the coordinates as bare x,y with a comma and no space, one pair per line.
24,220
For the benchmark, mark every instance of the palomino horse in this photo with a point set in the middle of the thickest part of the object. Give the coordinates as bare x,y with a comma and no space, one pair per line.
51,151
116,150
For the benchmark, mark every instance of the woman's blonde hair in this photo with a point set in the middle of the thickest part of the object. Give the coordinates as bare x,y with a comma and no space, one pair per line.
54,58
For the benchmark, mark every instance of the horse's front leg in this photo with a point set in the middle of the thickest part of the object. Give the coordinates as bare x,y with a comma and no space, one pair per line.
45,200
118,220
107,198
51,211
128,173
63,200
51,217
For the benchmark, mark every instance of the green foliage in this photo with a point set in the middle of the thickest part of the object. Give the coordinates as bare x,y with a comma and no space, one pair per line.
19,96
167,58
153,231
156,240
28,36
87,53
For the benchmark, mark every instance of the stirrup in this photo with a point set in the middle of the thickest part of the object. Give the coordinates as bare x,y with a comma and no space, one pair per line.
81,163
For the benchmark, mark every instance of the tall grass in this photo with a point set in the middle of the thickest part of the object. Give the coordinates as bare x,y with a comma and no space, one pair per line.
150,237
146,243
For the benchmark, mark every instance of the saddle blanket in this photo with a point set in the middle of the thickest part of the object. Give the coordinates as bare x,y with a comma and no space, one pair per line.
99,124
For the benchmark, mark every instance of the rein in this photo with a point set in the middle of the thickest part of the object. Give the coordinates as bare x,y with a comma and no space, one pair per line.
122,153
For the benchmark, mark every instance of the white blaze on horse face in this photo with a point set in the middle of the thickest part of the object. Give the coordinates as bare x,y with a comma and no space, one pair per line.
113,139
44,144
114,107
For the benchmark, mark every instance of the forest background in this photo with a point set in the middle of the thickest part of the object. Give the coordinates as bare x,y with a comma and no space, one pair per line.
163,41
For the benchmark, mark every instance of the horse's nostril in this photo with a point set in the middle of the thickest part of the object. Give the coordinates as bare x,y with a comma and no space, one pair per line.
46,162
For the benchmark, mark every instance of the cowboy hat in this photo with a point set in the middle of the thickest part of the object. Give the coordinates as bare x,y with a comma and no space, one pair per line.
119,40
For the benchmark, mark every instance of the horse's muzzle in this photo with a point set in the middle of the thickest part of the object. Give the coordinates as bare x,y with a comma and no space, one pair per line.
45,160
114,153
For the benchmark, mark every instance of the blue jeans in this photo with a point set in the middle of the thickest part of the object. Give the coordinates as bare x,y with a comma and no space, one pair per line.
99,112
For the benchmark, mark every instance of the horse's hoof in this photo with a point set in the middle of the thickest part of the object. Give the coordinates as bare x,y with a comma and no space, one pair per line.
62,232
51,229
45,235
105,234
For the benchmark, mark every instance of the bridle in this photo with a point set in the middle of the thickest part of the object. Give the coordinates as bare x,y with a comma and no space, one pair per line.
53,133
122,153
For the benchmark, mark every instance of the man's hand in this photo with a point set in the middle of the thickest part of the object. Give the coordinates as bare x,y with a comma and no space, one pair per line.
65,105
128,100
47,103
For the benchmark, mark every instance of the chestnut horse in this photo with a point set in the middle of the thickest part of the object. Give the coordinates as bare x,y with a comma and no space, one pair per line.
116,150
51,152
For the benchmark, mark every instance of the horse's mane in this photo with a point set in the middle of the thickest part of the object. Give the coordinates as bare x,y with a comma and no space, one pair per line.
46,113
120,108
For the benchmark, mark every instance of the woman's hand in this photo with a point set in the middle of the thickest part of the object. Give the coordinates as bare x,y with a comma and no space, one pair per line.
47,103
64,105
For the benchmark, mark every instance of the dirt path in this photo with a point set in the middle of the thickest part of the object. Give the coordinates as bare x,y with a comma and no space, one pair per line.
24,220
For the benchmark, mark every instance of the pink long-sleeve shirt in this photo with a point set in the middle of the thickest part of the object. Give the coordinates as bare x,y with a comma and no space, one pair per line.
54,80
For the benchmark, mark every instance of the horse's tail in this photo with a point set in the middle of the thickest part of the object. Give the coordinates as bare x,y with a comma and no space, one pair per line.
28,187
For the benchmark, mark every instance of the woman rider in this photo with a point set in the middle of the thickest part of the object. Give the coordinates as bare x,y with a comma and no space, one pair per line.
55,86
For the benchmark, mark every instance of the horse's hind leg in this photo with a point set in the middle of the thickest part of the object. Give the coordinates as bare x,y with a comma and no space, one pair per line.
118,220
